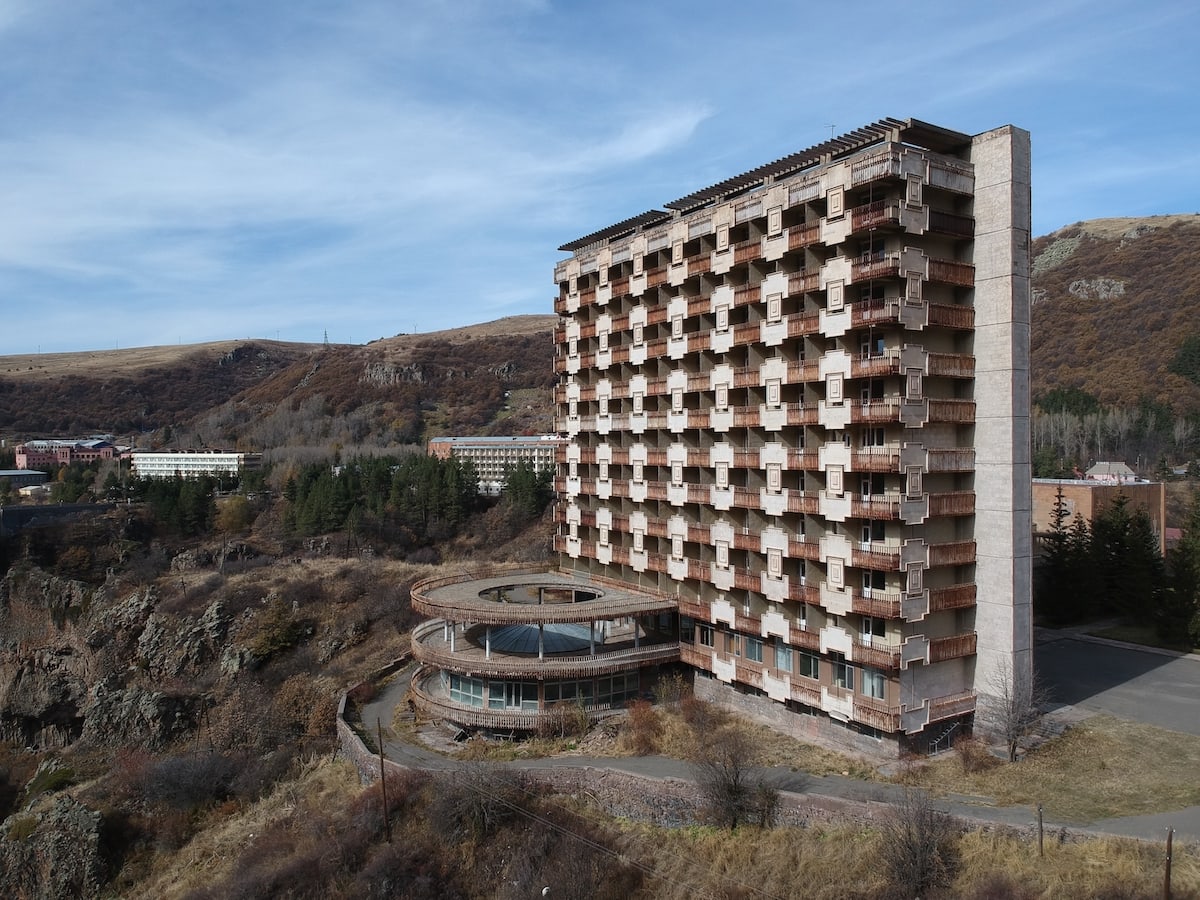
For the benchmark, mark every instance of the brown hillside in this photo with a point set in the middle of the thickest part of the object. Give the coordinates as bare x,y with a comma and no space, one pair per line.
1114,301
261,394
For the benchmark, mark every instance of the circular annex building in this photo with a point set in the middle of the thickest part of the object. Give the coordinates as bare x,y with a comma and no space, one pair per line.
502,648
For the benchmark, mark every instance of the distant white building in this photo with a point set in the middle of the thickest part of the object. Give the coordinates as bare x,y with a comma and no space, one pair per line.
492,455
192,463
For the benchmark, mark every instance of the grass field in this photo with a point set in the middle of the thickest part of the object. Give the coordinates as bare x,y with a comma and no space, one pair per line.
1099,769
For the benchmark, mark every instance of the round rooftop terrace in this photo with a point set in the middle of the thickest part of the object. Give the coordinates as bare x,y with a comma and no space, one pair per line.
530,597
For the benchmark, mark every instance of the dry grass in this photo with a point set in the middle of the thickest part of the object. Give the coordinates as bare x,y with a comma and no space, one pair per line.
1102,768
213,853
842,862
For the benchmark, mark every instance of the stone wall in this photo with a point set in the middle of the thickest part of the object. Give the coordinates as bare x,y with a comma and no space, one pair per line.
810,728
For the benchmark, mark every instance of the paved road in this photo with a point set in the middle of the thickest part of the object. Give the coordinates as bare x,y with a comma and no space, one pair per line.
1161,689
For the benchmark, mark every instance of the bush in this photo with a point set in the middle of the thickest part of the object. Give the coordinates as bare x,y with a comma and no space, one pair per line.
188,781
918,846
974,756
643,728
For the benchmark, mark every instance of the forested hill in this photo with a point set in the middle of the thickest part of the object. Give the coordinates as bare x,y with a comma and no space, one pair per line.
1115,305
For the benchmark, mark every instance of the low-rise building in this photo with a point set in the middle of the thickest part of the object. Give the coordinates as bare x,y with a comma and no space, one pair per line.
192,463
57,453
492,455
1089,497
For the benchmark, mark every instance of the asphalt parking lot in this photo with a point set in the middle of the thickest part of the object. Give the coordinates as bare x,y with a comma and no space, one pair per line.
1148,686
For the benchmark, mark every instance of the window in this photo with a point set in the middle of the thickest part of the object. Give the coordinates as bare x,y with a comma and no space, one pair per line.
802,617
733,643
706,635
873,629
808,664
754,648
783,656
872,532
873,581
843,672
874,684
872,436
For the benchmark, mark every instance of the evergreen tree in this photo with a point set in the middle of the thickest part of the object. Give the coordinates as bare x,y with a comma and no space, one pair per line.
1178,619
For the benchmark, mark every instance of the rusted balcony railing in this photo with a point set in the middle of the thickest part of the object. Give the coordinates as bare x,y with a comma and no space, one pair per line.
874,215
953,647
956,553
801,236
951,705
876,713
958,596
958,503
951,365
959,412
949,316
949,223
946,271
874,460
879,604
960,459
874,506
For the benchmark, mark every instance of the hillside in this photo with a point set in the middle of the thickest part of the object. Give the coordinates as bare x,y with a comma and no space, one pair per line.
263,394
1113,317
1114,306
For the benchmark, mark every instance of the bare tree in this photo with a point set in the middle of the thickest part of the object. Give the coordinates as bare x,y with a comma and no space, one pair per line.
724,762
1017,704
918,845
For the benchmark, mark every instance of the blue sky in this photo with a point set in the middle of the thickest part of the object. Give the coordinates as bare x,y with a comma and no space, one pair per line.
175,171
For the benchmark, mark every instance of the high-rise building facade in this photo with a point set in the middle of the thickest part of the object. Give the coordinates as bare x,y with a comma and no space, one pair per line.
797,401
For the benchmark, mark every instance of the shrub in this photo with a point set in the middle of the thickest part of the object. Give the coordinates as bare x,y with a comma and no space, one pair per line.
918,846
22,827
643,727
974,756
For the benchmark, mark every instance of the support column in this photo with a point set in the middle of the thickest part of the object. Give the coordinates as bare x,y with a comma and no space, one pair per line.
592,637
541,642
487,643
453,629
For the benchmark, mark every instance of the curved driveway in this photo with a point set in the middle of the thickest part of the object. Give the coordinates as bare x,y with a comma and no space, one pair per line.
1089,674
